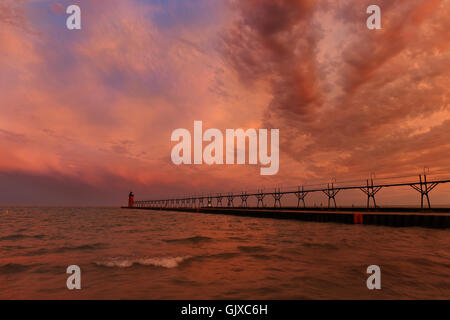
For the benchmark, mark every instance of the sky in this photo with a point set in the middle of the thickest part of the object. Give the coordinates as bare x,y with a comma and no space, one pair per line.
87,115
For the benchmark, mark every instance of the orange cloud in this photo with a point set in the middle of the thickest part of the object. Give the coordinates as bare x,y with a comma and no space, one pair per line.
96,108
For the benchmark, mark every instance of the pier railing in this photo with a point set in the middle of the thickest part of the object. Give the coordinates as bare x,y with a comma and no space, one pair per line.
369,188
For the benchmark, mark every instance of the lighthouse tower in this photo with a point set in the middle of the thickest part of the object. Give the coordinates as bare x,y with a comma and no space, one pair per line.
131,200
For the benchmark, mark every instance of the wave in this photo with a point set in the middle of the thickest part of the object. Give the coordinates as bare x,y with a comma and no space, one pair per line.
83,247
238,238
214,256
14,268
254,249
195,239
12,248
44,251
37,252
165,262
268,257
21,236
223,255
328,246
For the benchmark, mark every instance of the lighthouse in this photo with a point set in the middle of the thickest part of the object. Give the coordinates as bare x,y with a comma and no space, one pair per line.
131,200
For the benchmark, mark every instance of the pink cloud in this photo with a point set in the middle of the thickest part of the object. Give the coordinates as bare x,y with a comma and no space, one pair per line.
98,107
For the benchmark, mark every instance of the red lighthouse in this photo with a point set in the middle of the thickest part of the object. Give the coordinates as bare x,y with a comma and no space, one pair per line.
131,200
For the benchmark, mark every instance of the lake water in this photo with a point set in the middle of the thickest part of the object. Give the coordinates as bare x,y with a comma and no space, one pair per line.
139,254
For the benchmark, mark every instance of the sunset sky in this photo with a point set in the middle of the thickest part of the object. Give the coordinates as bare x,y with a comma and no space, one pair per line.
86,115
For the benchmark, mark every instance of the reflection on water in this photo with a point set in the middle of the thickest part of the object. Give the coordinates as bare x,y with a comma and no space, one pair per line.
131,254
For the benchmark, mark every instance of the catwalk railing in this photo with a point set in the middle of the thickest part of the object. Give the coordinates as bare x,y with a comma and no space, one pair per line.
331,190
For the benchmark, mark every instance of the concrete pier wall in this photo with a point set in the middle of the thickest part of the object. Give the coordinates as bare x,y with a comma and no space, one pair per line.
399,218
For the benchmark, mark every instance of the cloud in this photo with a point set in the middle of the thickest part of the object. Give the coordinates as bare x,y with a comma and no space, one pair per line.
103,101
275,41
348,100
94,108
11,14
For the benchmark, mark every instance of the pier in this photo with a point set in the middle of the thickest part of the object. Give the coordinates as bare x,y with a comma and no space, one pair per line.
423,216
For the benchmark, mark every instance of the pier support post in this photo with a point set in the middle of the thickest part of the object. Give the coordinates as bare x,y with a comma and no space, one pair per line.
331,193
219,200
423,187
301,194
277,197
230,198
260,196
209,201
244,197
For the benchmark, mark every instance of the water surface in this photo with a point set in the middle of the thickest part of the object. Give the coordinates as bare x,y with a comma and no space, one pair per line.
134,254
